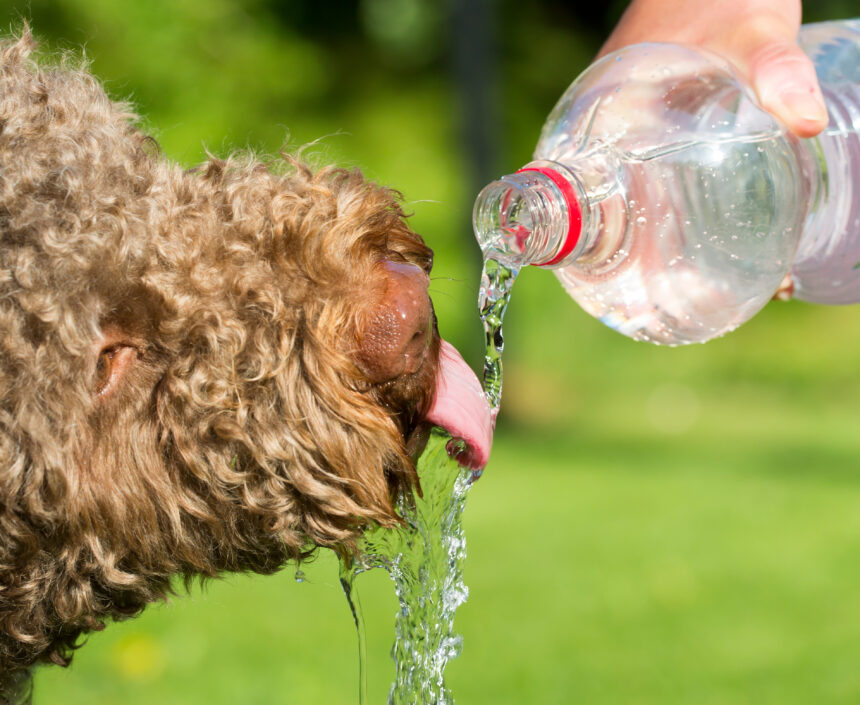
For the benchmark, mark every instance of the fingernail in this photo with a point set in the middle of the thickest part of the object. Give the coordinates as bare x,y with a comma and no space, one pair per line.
806,105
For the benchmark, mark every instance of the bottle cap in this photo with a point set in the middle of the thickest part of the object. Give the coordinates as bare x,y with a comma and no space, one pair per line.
574,213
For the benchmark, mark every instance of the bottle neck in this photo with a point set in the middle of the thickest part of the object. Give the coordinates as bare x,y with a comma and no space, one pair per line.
534,216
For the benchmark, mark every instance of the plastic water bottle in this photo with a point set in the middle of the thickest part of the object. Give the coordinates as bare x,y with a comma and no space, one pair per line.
672,206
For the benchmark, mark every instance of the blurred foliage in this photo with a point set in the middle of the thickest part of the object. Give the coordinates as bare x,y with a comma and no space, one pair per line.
656,525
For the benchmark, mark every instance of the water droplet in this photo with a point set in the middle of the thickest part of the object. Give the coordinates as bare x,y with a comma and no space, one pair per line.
641,220
300,576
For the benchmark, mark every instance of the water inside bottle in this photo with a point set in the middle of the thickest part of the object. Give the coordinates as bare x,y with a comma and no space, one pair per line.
705,233
826,269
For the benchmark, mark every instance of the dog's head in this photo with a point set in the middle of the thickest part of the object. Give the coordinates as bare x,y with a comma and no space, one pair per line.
200,371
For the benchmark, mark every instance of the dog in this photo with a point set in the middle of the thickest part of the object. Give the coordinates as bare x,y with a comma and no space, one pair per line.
201,371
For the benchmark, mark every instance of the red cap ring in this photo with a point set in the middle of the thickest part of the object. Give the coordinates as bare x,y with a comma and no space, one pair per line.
574,213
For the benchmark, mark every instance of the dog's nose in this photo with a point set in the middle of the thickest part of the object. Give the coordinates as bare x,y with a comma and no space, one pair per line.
397,334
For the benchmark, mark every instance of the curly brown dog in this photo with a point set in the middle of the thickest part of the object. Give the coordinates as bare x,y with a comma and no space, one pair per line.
200,371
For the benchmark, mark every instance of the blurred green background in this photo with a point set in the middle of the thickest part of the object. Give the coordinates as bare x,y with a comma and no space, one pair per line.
656,525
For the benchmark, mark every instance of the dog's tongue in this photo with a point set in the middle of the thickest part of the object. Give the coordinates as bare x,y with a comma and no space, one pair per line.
461,407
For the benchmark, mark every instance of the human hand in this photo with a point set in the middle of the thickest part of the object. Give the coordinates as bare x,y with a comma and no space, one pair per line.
757,36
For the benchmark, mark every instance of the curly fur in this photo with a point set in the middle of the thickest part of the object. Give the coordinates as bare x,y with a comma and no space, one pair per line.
246,433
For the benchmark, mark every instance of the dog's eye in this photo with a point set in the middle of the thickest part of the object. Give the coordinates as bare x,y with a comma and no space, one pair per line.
113,363
104,366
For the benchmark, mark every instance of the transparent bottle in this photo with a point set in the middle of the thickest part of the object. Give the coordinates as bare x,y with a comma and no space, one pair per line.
672,206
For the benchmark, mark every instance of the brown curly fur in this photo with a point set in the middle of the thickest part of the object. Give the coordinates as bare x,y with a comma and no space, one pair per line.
245,433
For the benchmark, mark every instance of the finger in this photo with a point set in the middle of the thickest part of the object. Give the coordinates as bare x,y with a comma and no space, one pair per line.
784,80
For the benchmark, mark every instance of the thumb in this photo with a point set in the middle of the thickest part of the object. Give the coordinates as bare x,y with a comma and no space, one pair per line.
784,80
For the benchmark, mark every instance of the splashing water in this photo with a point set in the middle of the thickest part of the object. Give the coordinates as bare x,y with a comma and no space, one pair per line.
425,556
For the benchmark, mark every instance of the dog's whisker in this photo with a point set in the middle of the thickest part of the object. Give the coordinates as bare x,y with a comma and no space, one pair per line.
432,201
